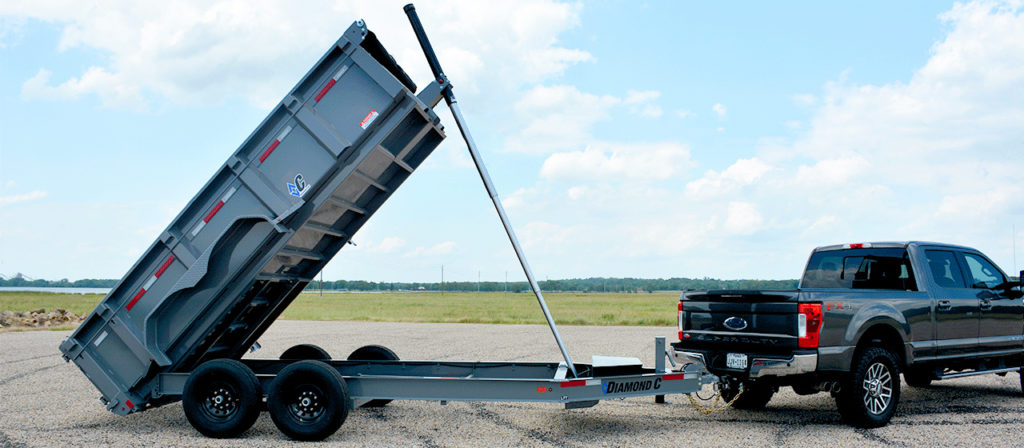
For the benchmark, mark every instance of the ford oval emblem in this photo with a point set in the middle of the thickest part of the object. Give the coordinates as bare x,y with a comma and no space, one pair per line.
735,323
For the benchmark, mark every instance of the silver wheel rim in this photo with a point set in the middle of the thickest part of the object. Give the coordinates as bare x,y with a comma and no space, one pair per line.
877,386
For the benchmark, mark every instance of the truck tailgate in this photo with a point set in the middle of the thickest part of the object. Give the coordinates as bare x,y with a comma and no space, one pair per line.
763,322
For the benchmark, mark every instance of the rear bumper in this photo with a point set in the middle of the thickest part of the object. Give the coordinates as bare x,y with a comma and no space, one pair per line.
759,367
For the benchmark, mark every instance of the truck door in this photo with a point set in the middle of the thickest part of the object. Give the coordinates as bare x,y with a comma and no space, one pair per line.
957,307
1002,318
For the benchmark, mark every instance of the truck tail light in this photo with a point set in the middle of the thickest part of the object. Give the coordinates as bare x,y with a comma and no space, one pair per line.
808,324
679,320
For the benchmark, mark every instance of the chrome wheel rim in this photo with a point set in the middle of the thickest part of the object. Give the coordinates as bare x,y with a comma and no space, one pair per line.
877,386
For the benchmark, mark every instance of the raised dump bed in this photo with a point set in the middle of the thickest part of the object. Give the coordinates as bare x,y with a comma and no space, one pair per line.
314,171
292,195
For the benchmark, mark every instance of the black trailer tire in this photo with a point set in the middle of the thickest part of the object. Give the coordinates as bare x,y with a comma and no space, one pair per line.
308,400
755,396
222,398
305,351
918,378
373,353
869,397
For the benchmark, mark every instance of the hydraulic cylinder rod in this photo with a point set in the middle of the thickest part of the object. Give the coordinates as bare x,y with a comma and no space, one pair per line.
460,121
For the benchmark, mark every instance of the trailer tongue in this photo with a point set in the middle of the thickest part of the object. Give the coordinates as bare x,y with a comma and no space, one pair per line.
295,192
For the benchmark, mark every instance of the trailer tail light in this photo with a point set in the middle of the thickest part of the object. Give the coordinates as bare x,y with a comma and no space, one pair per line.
808,324
679,320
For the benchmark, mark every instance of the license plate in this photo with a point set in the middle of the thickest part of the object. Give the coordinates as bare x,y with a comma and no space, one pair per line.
736,361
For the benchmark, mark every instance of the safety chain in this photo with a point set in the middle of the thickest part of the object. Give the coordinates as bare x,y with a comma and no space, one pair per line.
713,407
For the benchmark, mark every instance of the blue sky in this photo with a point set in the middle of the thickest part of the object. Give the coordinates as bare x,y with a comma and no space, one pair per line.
648,140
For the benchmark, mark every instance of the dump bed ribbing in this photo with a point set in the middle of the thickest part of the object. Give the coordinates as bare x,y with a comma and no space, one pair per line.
310,175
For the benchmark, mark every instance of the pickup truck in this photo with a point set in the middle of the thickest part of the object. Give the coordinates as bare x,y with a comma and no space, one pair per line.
862,315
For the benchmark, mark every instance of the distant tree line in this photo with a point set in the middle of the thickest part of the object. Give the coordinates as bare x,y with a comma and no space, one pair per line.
593,284
62,283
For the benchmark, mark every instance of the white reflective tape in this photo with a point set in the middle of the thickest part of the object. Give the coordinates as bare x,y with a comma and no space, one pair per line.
149,283
593,382
284,133
199,227
337,76
228,194
100,339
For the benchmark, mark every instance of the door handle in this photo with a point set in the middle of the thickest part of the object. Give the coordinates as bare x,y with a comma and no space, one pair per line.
986,304
945,305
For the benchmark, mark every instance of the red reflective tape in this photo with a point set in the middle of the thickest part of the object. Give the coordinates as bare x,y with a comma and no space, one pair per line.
129,404
216,208
673,377
135,299
269,150
324,90
575,383
164,267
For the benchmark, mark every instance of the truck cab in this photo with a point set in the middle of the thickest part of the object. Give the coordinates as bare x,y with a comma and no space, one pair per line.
863,314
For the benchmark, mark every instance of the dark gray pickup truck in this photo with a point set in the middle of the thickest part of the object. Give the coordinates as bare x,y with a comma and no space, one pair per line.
862,315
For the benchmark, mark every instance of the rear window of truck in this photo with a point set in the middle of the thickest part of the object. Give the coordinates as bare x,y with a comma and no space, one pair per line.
860,269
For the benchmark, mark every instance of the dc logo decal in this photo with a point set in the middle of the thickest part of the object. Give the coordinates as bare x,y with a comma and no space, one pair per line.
299,188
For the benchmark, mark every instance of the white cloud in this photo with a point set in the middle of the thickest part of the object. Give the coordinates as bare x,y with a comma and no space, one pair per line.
388,245
201,52
685,113
112,89
613,162
640,97
743,218
558,118
438,249
832,172
719,109
742,173
25,197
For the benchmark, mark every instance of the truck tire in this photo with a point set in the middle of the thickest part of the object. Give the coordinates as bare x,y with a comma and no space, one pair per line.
373,353
222,398
869,397
308,400
918,378
755,396
305,351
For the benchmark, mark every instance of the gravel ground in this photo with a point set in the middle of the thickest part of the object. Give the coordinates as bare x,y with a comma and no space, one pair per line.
47,402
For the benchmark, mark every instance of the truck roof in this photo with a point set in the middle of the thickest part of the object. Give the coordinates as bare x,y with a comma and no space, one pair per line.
888,244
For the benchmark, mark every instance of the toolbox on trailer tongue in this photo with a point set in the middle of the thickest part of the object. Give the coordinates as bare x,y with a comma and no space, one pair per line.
310,175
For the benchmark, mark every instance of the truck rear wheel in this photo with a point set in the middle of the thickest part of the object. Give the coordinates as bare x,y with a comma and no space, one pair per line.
754,396
222,398
305,351
869,397
308,400
373,353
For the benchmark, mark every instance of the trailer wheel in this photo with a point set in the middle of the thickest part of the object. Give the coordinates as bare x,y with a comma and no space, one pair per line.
373,353
305,351
308,400
222,398
869,397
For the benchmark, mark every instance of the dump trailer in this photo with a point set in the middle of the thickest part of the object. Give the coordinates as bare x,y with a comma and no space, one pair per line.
284,203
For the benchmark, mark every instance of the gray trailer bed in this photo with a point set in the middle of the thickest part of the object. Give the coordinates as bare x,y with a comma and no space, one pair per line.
294,193
273,215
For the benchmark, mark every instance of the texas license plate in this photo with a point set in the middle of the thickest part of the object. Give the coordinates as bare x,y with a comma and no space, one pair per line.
736,361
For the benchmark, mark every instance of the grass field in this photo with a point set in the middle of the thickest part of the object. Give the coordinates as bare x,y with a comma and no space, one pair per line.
656,309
